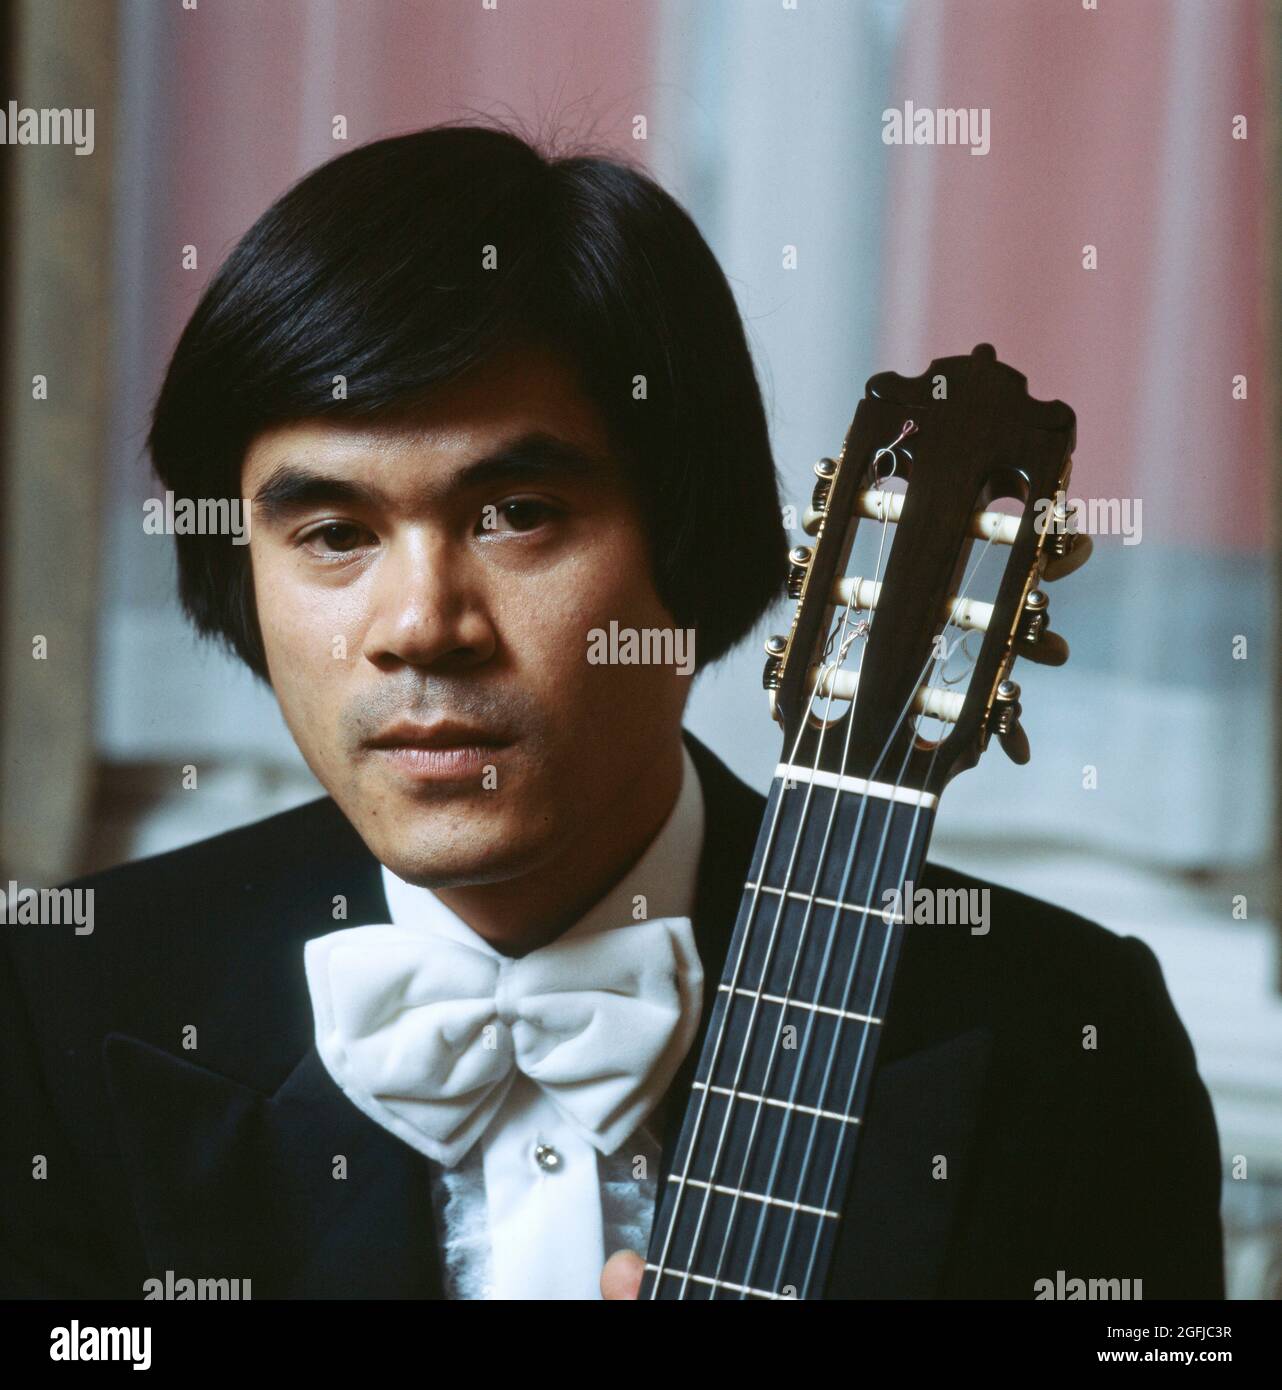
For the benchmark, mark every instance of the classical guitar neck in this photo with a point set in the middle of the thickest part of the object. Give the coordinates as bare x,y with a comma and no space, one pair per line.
766,1152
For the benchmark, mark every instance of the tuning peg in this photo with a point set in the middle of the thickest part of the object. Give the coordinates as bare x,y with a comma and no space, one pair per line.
775,648
825,472
1015,744
1050,649
1065,553
1033,639
1010,732
799,558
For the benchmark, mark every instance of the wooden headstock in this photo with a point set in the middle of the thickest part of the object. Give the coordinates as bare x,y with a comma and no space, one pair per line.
963,434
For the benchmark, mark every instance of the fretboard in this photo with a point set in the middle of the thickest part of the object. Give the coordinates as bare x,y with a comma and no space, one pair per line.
761,1170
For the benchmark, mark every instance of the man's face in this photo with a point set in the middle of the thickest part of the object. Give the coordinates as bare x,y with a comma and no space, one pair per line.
425,595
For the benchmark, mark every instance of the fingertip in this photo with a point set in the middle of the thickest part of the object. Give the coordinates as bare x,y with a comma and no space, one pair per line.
621,1277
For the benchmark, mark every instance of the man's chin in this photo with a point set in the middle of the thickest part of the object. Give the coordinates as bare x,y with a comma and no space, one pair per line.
454,858
437,872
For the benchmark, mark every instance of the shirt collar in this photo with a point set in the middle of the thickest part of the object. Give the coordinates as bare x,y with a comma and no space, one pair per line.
665,875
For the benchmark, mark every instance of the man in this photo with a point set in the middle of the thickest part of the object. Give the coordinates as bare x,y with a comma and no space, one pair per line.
432,1035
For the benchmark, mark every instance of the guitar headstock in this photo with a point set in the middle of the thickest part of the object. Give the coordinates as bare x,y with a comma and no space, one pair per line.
862,683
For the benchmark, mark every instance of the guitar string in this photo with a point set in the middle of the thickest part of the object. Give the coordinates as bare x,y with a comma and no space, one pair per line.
723,1027
881,965
734,1094
783,902
881,1012
659,1269
876,1007
830,942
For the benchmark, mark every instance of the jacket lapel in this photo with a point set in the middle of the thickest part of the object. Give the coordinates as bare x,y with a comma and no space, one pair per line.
911,1169
296,1190
282,1181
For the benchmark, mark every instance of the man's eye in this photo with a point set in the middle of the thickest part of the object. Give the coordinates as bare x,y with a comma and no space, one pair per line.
516,514
336,538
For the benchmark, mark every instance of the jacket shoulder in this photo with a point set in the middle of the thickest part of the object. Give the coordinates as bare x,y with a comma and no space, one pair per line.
247,853
1029,936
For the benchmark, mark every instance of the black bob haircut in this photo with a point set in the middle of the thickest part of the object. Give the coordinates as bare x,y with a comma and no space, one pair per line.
372,267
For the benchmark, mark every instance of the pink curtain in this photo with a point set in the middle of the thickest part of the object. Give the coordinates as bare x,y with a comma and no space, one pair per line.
255,88
1113,128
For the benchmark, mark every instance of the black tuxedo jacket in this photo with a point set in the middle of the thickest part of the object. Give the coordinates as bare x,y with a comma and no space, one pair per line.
217,1160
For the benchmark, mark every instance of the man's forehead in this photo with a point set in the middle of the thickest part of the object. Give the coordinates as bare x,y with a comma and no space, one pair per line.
502,405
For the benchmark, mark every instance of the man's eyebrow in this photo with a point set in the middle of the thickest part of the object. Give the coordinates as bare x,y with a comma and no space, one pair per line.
293,487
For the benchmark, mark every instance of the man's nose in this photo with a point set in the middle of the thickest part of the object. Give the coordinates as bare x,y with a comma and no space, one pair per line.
427,609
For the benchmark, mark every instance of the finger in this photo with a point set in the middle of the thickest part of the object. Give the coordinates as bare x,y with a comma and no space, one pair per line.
621,1277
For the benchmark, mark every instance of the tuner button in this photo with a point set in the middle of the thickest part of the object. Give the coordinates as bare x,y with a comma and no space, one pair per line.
826,468
1061,560
1010,732
798,563
775,648
1006,709
1034,639
1050,649
1014,743
1033,616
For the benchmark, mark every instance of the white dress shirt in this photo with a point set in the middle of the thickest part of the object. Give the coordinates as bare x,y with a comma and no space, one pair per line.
532,1211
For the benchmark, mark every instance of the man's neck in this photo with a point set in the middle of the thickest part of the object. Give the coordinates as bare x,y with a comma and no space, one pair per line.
519,915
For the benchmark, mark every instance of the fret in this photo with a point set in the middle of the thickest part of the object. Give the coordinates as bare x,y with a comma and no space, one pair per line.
783,1104
746,1195
779,1050
782,1136
812,954
861,908
775,1240
678,1276
799,1004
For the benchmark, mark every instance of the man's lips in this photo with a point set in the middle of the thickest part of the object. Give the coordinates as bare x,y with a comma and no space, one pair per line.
444,734
441,752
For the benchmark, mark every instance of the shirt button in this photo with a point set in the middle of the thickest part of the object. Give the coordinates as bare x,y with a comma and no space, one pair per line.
547,1158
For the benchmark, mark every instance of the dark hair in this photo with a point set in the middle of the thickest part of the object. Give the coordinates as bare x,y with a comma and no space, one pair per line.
371,267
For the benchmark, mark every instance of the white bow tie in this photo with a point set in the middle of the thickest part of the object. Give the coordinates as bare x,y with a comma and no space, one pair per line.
425,1034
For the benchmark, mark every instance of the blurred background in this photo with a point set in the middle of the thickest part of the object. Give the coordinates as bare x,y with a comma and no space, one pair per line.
1147,130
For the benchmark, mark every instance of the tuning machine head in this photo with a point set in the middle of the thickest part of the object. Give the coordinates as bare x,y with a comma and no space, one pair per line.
776,649
1066,548
1010,733
1033,637
799,558
825,472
